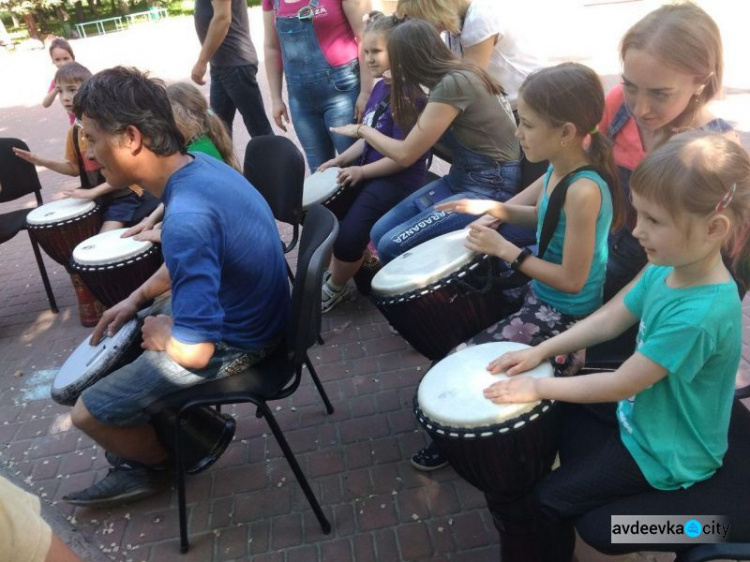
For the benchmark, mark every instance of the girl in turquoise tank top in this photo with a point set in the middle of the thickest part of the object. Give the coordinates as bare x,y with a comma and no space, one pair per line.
559,108
674,394
204,132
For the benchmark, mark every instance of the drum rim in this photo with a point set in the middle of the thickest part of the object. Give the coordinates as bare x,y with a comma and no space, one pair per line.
87,214
479,432
328,199
475,262
84,268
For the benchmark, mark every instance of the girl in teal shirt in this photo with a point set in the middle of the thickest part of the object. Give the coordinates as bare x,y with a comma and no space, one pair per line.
692,198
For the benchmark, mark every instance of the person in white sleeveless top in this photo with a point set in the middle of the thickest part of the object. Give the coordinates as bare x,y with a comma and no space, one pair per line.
484,33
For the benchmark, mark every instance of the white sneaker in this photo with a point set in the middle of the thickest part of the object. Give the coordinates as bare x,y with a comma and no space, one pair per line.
332,297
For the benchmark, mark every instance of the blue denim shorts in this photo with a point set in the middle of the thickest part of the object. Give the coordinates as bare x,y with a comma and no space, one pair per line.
122,397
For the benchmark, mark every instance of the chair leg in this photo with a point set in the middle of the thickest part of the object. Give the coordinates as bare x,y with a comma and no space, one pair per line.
318,384
180,473
289,272
43,273
291,459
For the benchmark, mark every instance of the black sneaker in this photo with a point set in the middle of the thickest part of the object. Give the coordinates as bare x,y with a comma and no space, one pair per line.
429,458
123,484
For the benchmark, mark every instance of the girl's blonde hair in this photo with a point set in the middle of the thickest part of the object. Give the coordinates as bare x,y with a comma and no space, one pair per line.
702,173
573,93
194,119
443,14
684,38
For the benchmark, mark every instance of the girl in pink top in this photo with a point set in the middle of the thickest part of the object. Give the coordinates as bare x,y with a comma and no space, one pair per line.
314,44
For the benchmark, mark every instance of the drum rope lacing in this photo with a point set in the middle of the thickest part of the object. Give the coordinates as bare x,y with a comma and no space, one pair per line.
455,278
485,430
115,265
71,220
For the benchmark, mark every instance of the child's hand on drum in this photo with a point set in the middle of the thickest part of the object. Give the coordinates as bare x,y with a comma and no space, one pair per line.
515,362
351,176
485,240
77,194
516,390
330,164
142,226
473,207
113,318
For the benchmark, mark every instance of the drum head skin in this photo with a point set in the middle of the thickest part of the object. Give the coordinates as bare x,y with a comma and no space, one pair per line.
59,211
451,393
423,265
320,186
88,363
109,247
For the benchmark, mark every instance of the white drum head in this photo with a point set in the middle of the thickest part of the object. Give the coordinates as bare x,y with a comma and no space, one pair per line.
451,393
88,360
108,247
423,265
320,186
59,211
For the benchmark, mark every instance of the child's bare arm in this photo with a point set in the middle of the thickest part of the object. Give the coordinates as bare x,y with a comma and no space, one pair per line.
90,194
60,166
49,98
633,376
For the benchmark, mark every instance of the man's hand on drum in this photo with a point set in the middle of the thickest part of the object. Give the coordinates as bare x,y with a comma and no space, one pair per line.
77,193
516,362
487,240
156,332
351,176
515,390
153,236
113,318
142,226
473,207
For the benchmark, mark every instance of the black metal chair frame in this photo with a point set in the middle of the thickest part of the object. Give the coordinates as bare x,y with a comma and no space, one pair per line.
19,178
279,375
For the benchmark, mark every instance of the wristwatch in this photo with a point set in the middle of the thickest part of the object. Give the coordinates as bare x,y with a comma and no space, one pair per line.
525,253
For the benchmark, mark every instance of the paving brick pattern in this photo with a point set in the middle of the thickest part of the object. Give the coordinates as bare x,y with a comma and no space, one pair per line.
248,506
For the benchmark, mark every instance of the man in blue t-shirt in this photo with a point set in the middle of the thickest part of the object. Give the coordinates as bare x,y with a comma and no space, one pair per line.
223,264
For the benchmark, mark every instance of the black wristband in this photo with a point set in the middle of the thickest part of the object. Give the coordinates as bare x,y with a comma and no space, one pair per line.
525,253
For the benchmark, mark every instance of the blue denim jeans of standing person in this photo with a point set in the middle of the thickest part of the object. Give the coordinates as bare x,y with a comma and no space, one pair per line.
320,95
318,102
233,88
415,219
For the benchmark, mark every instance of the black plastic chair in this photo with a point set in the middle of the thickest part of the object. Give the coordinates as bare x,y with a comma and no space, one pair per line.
726,493
17,179
276,168
279,375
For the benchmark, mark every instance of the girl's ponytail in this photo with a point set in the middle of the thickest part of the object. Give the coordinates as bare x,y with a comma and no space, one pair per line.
599,153
217,132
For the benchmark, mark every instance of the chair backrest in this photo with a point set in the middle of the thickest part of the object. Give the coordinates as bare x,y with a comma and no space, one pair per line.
276,168
17,177
316,244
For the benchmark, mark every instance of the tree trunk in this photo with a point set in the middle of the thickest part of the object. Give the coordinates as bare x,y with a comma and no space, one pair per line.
124,7
79,11
92,7
14,17
31,25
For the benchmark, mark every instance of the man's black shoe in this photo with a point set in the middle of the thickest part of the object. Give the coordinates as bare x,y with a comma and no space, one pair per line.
121,485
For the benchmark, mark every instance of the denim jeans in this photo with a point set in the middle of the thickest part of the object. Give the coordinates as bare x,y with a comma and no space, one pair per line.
320,95
122,397
415,219
318,102
233,88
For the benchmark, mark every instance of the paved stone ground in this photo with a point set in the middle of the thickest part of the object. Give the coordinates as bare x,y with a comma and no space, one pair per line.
249,505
